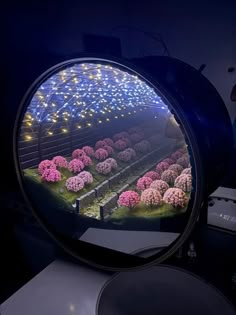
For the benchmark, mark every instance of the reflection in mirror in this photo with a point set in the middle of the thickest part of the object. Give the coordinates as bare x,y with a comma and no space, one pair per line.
104,160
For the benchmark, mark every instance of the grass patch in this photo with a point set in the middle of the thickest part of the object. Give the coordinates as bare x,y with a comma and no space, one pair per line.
143,211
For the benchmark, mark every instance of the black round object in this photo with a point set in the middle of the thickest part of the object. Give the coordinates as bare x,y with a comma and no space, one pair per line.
161,290
202,107
79,103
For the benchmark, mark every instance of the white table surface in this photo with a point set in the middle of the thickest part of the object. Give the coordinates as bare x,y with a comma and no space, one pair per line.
62,288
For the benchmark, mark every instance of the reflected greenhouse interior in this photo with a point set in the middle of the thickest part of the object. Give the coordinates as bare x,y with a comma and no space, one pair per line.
97,141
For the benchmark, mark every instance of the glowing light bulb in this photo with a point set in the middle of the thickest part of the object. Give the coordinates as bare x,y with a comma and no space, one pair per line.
54,120
64,130
79,126
50,133
99,121
89,124
28,137
108,119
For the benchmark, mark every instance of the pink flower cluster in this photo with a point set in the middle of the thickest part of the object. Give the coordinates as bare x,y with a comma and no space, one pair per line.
151,197
176,155
124,156
112,162
169,161
103,168
153,175
44,165
109,149
127,141
100,144
128,199
78,153
60,161
187,171
183,160
120,145
120,135
175,197
144,183
183,150
86,160
176,168
101,154
142,146
88,150
87,177
184,182
160,185
132,152
109,142
124,134
169,177
74,183
51,175
161,167
136,137
75,166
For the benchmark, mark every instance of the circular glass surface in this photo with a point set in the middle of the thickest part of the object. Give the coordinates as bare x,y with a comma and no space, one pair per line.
161,290
104,159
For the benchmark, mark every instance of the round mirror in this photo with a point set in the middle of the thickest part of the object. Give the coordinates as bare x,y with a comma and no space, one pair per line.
108,163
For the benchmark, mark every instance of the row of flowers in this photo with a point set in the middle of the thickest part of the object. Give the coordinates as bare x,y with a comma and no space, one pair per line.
50,169
155,186
152,197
